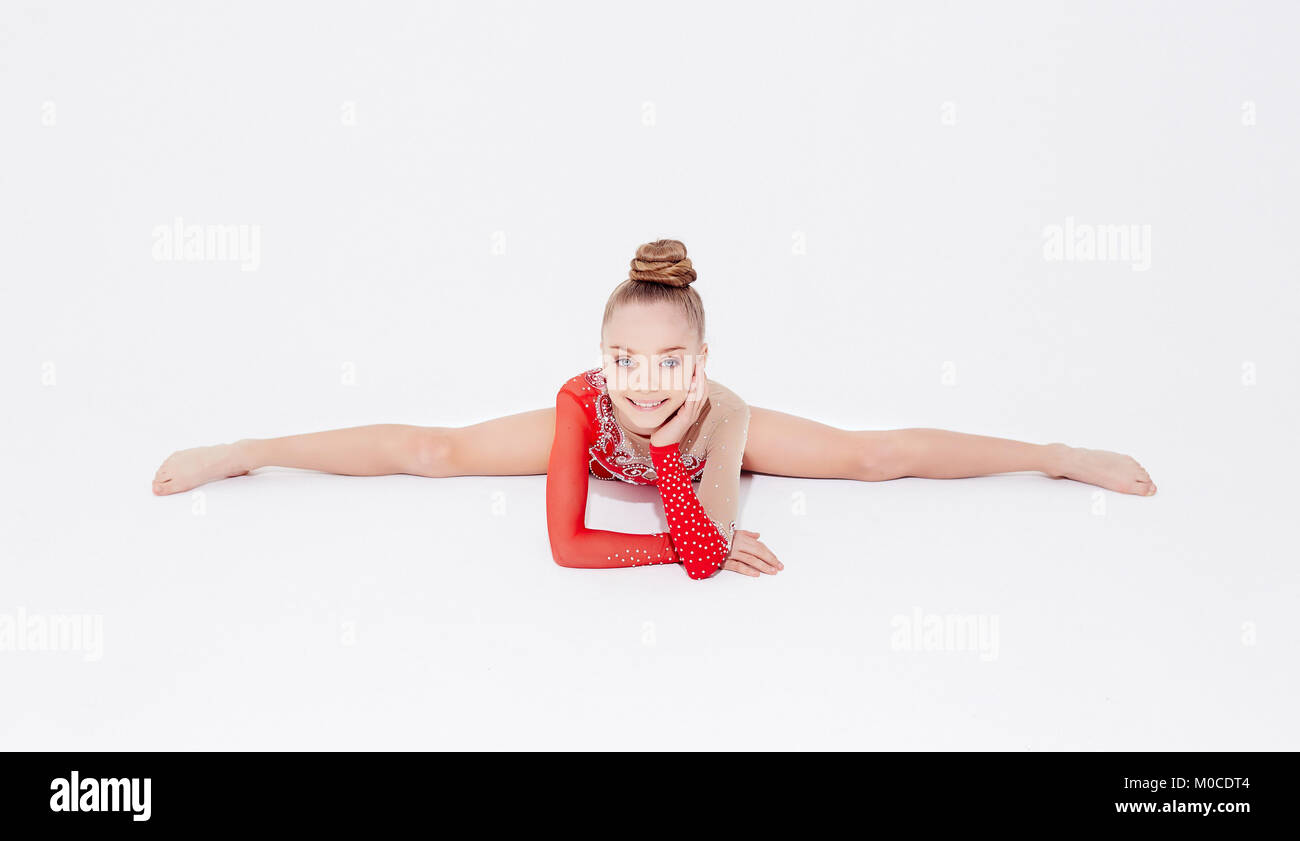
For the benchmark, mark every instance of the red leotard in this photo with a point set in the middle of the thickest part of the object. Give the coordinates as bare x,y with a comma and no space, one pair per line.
589,441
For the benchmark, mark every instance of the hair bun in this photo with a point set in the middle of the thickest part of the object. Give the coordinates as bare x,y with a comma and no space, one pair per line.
662,261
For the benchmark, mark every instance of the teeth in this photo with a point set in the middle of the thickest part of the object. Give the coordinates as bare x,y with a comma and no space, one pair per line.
648,405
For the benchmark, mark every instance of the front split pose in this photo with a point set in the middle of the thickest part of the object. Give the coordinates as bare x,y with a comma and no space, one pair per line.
649,416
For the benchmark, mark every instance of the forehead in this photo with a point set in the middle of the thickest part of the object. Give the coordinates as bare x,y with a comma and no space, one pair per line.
648,328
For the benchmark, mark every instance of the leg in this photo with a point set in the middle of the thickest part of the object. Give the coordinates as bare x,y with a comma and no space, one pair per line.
514,445
786,445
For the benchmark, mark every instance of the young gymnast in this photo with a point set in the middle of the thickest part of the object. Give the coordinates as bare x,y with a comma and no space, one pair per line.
650,416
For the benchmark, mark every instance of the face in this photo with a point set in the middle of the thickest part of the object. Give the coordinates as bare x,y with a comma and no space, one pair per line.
650,354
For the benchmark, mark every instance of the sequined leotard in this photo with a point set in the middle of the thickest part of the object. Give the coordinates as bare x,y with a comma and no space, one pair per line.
589,440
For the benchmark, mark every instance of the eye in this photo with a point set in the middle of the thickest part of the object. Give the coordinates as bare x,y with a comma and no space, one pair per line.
673,360
622,359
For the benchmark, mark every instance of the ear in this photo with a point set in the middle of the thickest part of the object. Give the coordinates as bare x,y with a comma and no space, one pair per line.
703,357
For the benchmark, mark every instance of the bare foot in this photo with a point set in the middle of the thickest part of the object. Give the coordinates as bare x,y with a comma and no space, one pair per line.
1113,471
185,469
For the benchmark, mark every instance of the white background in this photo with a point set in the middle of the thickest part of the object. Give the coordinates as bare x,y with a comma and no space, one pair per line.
562,136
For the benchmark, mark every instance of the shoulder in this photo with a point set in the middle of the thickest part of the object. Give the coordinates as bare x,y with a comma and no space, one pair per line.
728,418
725,402
584,385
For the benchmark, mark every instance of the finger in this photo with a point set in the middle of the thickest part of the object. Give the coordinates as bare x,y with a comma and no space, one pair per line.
736,566
765,553
694,394
750,559
745,543
697,377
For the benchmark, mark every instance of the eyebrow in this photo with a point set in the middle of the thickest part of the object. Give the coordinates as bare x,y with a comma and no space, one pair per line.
665,350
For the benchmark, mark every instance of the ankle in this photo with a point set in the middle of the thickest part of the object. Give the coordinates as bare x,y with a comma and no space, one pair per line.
1056,459
249,453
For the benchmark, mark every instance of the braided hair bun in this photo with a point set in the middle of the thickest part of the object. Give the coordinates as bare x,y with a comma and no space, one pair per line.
662,261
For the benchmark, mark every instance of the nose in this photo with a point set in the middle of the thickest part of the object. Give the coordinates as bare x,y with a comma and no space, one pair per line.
641,382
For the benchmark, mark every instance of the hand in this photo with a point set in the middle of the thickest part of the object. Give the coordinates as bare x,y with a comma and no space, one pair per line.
676,427
750,557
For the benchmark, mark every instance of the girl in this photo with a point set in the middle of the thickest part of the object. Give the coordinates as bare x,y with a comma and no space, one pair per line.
651,416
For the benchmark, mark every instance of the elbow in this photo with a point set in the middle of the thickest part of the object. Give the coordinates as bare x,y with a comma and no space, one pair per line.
560,558
561,553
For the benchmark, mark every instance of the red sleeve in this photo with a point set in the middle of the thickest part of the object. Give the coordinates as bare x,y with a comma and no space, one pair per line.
703,549
572,543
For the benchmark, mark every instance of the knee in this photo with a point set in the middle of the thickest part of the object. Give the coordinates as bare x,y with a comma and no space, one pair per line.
430,452
880,456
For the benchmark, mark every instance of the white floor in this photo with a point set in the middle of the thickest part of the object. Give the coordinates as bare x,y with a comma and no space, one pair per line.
296,610
445,257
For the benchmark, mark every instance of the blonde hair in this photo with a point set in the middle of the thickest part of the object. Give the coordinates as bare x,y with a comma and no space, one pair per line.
661,272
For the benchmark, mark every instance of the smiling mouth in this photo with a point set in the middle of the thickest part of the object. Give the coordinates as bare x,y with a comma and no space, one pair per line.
647,407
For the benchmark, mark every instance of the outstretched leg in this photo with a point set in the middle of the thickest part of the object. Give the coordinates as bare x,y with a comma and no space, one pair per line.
786,445
514,445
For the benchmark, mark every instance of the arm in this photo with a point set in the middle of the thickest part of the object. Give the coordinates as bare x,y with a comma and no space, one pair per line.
572,543
702,525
